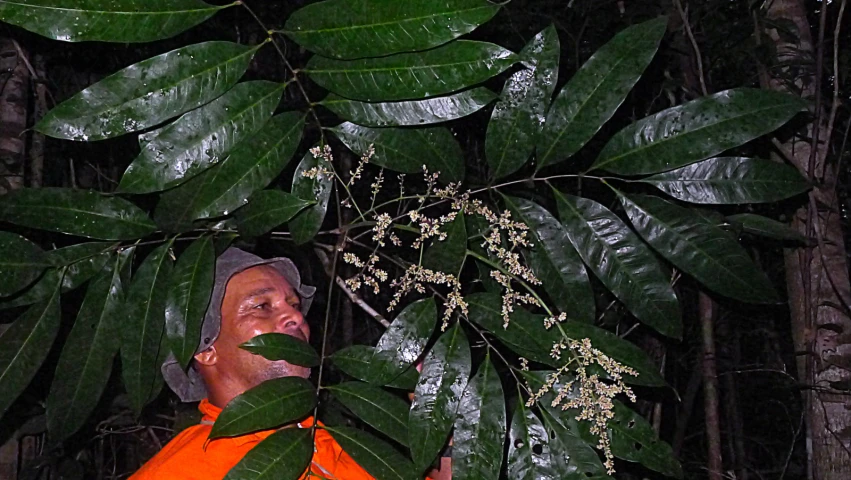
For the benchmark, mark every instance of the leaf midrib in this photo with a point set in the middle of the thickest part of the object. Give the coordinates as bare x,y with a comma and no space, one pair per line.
112,12
399,21
94,113
687,134
30,335
627,271
588,99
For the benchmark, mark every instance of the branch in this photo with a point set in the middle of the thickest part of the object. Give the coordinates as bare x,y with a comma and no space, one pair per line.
357,300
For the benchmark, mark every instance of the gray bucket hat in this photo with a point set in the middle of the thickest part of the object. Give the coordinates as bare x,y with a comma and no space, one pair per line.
188,385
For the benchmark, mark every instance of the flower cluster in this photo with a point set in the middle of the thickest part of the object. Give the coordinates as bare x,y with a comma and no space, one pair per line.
429,227
415,278
589,395
369,275
322,170
364,159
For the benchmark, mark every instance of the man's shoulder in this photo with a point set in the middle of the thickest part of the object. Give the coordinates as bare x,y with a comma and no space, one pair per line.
180,459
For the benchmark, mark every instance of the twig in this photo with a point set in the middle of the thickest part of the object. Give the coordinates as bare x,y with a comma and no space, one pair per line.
691,38
355,298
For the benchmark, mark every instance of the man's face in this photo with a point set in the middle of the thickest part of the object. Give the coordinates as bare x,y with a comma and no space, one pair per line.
258,300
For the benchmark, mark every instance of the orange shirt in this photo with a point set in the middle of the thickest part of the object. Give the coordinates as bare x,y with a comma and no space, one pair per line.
186,458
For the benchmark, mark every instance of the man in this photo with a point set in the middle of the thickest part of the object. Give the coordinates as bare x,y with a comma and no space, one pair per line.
251,296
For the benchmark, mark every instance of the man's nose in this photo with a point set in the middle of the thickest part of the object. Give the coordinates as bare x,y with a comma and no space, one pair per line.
291,318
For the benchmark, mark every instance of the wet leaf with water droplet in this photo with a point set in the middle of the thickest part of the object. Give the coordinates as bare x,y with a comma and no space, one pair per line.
411,76
699,248
121,21
122,103
518,117
731,180
403,342
480,427
266,210
359,361
375,28
410,113
696,130
622,261
76,212
555,261
444,376
186,147
596,91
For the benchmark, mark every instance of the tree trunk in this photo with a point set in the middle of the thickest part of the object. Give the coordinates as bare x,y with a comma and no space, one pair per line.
14,90
817,276
715,463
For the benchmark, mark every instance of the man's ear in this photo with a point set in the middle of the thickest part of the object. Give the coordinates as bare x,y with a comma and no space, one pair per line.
208,357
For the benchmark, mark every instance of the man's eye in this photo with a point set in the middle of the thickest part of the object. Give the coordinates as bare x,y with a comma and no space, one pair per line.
261,306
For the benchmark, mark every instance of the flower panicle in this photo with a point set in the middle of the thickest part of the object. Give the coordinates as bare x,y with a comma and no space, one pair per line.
590,397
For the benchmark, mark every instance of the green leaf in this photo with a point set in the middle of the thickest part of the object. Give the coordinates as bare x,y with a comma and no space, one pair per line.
284,455
143,324
268,405
189,291
25,345
554,260
305,225
202,137
517,118
411,76
624,264
632,437
21,262
527,336
480,427
699,248
596,91
378,458
574,456
410,113
444,376
121,21
530,456
226,186
696,130
280,346
76,212
359,361
87,355
406,150
149,92
383,411
766,227
375,28
731,180
267,209
83,260
448,255
403,342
